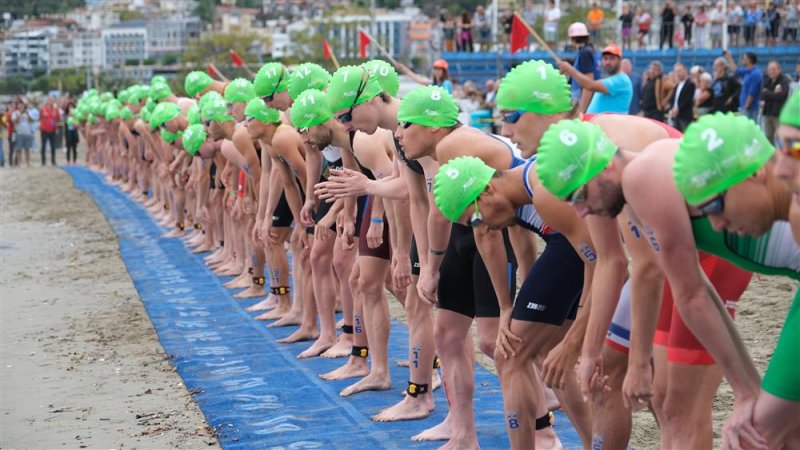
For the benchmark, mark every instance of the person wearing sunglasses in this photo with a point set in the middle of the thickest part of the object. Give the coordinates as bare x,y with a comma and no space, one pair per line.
787,163
272,84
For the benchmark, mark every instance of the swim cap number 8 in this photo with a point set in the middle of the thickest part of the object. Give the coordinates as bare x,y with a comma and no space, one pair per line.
436,95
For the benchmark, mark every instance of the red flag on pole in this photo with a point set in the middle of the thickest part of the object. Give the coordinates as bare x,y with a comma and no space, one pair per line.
519,35
236,59
211,71
326,49
364,41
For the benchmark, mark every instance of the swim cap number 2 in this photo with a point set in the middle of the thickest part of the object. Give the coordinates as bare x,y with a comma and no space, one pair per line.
712,139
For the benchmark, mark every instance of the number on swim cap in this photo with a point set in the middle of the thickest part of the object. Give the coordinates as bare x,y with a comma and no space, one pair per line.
272,72
712,139
436,95
345,74
543,72
384,71
305,100
452,172
568,137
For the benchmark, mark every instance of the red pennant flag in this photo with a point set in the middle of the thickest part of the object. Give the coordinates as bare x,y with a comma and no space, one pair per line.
211,71
519,35
326,49
364,41
236,59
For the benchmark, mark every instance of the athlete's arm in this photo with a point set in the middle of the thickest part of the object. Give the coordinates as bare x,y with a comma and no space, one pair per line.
418,211
401,233
495,257
349,203
438,229
313,170
413,75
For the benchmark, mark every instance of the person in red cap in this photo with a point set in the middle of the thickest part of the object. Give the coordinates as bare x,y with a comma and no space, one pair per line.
584,63
439,77
612,93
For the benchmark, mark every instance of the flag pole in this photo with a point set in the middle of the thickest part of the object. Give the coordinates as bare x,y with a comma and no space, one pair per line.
327,46
249,73
216,71
537,37
334,60
380,47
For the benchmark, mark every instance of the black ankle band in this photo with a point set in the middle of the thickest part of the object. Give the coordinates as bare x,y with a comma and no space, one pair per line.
347,329
361,352
180,226
545,421
279,290
259,281
415,389
437,362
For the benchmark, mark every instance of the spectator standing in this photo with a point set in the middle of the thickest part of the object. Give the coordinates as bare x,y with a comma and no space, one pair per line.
531,16
71,137
49,116
595,18
490,102
791,21
636,86
687,19
667,24
772,19
724,89
613,93
448,33
551,17
775,93
682,99
752,82
508,20
751,18
626,18
644,20
466,33
439,77
705,101
483,24
584,63
700,22
735,20
655,92
11,108
717,18
3,130
23,129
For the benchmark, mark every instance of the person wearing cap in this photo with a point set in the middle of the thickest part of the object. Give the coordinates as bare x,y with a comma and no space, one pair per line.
592,175
466,189
439,77
272,85
613,93
584,63
197,83
787,142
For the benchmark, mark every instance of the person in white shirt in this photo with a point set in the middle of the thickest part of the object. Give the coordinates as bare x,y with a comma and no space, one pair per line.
717,18
551,17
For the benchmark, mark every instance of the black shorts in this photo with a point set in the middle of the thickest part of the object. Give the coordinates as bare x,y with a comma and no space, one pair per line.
464,283
551,291
383,251
282,217
324,207
414,256
212,176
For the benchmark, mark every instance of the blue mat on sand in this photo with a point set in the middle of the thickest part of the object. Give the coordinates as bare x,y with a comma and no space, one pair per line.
253,391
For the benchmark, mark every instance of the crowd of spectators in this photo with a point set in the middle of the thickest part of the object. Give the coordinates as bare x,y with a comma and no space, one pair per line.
24,124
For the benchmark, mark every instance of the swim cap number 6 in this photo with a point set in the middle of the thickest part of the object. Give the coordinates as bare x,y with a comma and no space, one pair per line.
568,137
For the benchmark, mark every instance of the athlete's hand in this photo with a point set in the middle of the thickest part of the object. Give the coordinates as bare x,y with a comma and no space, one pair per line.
374,234
738,431
637,389
322,230
266,234
256,236
346,229
342,183
427,285
591,377
307,212
248,205
559,363
506,340
565,67
401,270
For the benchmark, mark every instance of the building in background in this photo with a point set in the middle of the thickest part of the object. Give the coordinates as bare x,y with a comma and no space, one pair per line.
93,18
390,28
232,19
170,35
27,50
125,41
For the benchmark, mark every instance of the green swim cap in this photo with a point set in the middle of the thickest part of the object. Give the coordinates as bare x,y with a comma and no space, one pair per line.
429,106
144,114
91,118
123,95
239,90
193,138
790,114
534,86
259,111
137,93
209,97
193,116
111,110
307,76
271,78
91,92
158,79
345,84
106,96
311,108
216,110
195,82
570,154
385,74
160,91
163,113
126,114
717,152
150,104
169,136
458,183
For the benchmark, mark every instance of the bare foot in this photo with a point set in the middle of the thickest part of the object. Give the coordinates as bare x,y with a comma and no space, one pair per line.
177,232
276,313
371,382
461,444
242,281
287,320
354,368
342,348
409,408
439,432
403,363
317,348
263,305
547,439
301,334
202,249
255,290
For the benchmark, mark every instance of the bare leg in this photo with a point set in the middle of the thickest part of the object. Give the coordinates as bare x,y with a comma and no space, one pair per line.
343,262
356,365
687,406
612,420
325,293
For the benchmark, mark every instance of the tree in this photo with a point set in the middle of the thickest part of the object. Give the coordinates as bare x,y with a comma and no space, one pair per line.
13,86
169,59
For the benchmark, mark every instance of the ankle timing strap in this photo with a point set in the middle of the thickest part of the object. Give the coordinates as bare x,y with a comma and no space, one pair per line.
180,226
347,329
545,421
198,226
279,290
361,352
166,206
415,389
259,281
437,362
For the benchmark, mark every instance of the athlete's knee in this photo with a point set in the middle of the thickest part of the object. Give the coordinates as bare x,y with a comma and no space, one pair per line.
447,339
487,345
371,288
342,263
